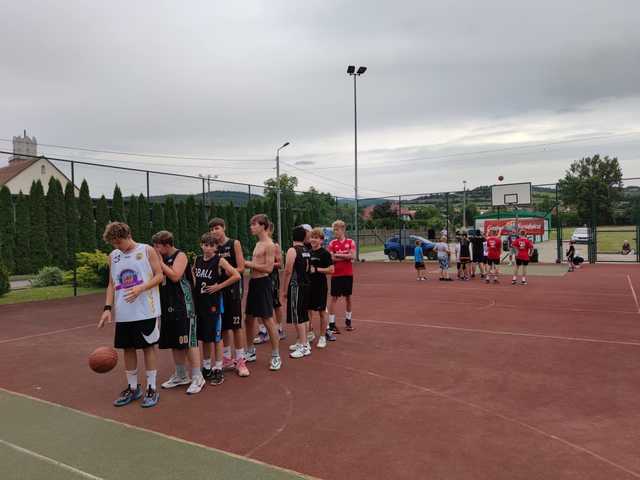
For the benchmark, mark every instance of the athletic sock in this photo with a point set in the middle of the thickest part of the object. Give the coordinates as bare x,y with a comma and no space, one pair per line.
275,353
524,279
151,378
226,352
206,364
332,320
239,353
347,315
515,278
181,371
196,372
218,365
132,378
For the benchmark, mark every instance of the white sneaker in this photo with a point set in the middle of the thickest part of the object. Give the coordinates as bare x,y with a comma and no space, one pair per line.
306,350
176,381
197,384
322,342
299,352
294,347
311,336
276,363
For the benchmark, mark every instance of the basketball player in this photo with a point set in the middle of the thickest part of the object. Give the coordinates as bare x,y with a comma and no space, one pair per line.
494,249
343,252
178,321
134,299
207,271
232,328
321,266
524,248
260,291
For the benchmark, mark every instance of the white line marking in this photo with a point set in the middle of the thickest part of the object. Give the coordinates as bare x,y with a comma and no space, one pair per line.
278,430
502,332
53,332
163,435
49,460
633,292
492,413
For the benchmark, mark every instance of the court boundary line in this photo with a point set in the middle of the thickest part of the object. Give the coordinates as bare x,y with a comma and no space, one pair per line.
164,435
633,292
503,332
278,430
487,411
49,460
44,334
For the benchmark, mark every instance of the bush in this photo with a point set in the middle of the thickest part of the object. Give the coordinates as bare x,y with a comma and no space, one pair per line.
5,286
48,277
93,269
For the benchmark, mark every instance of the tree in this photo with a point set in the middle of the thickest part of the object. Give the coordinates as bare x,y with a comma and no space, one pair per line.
23,232
56,228
38,229
157,220
593,186
144,217
181,235
86,223
102,219
133,216
190,242
7,229
212,211
71,219
383,210
171,217
117,206
203,225
243,228
231,221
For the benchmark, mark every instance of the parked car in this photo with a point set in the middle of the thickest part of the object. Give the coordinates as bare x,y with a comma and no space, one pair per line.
396,250
580,235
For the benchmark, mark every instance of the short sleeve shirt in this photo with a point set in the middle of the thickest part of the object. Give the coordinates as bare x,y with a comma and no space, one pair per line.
343,268
441,248
321,259
417,255
494,246
522,246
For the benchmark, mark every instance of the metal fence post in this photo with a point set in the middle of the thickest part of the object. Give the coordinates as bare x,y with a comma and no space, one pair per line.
637,243
204,194
448,223
400,218
147,185
558,230
75,266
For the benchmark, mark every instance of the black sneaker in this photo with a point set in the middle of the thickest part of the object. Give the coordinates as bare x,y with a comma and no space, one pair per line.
207,373
334,329
127,396
523,282
217,377
514,282
348,326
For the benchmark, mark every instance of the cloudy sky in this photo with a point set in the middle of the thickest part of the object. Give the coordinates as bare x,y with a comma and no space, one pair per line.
454,91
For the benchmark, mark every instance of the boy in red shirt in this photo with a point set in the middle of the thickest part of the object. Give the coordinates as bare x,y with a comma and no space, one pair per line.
343,251
524,249
494,248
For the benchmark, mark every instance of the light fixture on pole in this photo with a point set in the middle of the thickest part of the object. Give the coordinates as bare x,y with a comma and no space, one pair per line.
464,204
351,70
278,189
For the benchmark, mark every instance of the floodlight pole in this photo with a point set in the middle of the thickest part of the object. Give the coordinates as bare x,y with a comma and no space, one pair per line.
351,71
464,204
278,190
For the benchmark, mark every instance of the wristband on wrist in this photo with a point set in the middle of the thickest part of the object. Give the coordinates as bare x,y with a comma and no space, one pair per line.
107,308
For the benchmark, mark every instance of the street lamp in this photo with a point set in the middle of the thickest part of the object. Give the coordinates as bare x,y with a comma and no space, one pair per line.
464,204
279,215
209,177
351,70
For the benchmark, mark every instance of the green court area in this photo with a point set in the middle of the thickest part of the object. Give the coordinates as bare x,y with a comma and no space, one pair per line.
40,440
33,294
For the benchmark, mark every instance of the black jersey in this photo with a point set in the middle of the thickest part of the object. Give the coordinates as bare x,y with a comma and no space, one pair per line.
207,272
300,275
320,258
176,297
464,248
228,252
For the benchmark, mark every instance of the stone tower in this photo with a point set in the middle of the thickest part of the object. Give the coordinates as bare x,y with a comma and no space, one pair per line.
24,146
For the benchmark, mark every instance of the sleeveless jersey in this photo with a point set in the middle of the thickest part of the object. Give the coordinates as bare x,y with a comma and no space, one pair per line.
301,267
207,272
128,270
227,252
177,297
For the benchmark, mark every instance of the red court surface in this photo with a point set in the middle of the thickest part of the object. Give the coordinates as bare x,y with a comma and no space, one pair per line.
440,380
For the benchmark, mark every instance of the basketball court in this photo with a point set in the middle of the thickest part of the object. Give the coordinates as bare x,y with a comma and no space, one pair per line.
445,380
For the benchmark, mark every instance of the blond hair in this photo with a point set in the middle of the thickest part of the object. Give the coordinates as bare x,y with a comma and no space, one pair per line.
339,224
116,231
317,233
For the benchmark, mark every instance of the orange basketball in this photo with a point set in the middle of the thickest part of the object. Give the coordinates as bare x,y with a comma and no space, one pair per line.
103,359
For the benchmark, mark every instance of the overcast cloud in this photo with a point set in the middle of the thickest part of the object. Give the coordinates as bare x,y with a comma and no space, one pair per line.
530,85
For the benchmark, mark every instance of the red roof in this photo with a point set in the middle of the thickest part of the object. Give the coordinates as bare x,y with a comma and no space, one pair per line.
13,169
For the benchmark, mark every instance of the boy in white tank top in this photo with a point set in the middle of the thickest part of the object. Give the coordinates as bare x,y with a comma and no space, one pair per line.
133,298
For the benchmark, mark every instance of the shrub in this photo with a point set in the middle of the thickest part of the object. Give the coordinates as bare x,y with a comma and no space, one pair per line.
48,277
93,269
4,280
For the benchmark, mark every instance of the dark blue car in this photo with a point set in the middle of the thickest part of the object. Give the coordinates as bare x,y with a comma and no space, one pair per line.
397,250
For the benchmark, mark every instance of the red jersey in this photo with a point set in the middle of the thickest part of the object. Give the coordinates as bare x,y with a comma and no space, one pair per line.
494,247
342,268
522,245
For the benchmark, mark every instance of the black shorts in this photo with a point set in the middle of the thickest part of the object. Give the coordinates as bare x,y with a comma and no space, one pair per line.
177,329
318,295
137,334
231,313
523,263
297,304
342,286
493,261
419,265
260,298
275,280
464,260
479,259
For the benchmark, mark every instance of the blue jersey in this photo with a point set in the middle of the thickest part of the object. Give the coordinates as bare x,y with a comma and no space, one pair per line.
417,254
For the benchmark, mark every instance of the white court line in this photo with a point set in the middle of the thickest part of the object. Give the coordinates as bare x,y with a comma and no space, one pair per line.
278,430
502,332
487,411
633,292
44,334
44,458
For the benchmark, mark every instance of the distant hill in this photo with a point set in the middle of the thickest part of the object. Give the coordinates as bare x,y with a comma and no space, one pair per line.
218,196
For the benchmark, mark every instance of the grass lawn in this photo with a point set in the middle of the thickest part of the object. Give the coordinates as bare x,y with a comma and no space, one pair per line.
610,238
371,248
44,293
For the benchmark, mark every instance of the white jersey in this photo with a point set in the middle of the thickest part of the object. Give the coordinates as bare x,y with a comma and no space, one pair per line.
128,270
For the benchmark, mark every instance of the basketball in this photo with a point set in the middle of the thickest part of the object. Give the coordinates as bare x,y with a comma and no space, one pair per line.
500,178
103,359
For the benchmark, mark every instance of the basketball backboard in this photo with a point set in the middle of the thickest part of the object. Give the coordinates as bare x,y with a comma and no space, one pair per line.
507,194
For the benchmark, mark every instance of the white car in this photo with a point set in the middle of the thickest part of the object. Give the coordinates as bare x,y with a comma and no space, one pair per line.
580,235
